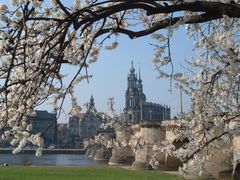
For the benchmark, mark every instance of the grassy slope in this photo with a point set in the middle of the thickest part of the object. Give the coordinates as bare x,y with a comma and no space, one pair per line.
65,173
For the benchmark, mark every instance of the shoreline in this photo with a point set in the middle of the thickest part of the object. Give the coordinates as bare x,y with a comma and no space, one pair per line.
45,151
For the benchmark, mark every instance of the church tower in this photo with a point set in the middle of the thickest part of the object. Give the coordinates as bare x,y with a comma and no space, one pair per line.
136,108
134,96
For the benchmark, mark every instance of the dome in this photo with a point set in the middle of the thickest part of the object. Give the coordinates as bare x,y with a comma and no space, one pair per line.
132,70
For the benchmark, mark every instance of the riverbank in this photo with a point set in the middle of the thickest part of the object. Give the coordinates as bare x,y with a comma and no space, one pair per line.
45,151
86,173
50,160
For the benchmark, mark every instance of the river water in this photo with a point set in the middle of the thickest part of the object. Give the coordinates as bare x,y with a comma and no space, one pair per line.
50,160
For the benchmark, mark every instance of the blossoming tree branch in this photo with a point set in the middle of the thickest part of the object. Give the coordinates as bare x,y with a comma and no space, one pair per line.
39,37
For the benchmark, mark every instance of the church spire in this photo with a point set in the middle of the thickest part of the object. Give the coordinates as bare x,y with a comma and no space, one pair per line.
132,70
139,82
91,103
139,78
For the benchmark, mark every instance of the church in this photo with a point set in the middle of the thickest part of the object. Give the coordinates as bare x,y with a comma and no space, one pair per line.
137,109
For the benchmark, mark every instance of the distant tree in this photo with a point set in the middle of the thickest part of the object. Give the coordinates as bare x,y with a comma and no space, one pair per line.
38,38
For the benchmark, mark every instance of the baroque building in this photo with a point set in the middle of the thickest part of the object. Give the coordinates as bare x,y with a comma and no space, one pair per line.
90,122
45,123
137,109
79,127
84,126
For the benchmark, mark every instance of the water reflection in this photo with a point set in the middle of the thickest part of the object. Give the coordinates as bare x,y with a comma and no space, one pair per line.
50,160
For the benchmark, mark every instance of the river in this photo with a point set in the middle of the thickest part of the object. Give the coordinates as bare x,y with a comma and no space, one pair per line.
50,160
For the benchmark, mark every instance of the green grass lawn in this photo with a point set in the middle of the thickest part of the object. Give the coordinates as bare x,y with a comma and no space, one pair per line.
70,173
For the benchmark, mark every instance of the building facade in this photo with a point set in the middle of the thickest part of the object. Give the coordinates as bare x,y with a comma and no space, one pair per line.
137,109
46,123
63,136
87,124
90,122
79,128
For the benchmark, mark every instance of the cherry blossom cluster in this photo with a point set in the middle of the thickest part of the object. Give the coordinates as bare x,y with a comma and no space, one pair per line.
214,88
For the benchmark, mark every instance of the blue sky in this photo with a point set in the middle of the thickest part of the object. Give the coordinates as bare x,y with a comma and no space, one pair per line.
111,69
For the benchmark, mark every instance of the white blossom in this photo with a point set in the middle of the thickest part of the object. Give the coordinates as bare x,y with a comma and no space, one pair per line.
39,152
29,127
112,46
14,142
3,8
16,150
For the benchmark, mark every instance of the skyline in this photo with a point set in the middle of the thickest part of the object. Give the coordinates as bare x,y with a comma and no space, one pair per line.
111,70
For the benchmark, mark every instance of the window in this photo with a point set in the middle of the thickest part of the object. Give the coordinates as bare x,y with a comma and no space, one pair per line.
130,116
